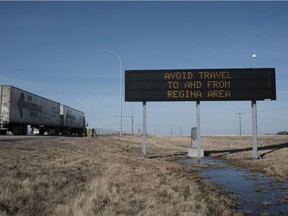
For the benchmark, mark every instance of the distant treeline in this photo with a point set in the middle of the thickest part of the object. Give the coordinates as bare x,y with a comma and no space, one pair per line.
282,133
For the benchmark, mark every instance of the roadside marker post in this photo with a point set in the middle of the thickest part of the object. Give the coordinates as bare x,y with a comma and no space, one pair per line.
194,137
193,151
89,132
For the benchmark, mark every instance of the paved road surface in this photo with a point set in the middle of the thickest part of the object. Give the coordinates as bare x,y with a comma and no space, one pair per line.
11,137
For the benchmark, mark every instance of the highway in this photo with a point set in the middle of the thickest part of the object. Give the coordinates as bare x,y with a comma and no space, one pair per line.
11,137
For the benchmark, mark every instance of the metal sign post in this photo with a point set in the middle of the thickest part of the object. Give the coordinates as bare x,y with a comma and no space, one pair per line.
144,130
254,129
198,129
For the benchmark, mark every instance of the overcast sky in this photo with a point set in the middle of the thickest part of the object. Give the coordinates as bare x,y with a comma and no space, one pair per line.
55,49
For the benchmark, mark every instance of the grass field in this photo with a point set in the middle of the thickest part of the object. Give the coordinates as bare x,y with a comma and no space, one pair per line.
109,176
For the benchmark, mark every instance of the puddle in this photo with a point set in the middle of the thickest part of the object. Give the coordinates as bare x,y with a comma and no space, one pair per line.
257,194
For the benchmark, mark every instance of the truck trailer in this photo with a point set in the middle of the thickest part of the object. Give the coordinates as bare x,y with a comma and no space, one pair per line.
71,120
19,108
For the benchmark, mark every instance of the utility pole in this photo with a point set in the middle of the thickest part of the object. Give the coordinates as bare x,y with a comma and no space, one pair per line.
240,127
132,121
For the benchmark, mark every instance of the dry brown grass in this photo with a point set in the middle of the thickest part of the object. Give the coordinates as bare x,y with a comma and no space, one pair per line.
109,176
103,176
35,174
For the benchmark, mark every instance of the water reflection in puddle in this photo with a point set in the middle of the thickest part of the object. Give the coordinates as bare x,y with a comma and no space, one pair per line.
257,193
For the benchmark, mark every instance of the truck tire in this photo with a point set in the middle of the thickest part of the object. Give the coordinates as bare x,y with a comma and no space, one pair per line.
24,129
3,132
17,130
65,131
41,131
20,129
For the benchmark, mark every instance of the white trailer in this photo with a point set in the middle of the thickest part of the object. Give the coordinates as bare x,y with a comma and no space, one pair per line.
72,121
20,108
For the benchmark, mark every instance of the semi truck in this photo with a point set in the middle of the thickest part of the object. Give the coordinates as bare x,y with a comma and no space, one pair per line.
19,108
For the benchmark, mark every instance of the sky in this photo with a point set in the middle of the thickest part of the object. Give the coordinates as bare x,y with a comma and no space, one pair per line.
55,49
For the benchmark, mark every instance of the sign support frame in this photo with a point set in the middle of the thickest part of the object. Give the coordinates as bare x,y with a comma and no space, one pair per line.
234,84
198,129
144,144
254,130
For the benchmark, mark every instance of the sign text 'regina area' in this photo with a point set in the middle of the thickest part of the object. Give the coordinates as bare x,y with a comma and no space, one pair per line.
200,84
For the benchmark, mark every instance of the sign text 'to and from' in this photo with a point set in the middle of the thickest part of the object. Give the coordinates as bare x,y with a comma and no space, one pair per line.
200,84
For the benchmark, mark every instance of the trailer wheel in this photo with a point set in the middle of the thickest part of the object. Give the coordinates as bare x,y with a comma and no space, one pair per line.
17,129
24,129
65,131
41,131
57,131
3,132
20,129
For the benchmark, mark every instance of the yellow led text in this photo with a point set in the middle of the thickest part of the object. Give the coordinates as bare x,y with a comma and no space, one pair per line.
178,75
184,94
192,84
218,84
219,94
215,75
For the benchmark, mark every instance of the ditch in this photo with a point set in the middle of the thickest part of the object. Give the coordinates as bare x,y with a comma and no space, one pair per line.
257,194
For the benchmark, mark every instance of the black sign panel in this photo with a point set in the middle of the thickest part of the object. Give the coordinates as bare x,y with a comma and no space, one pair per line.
200,84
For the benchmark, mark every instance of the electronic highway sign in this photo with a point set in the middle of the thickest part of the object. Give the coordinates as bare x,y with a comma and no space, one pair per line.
200,84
